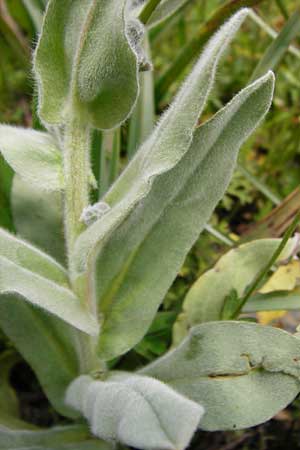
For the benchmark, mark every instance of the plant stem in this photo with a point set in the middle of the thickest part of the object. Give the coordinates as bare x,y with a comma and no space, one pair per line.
148,10
260,277
192,49
77,172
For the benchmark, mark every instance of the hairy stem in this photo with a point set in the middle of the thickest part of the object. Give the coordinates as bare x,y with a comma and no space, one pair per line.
77,172
193,47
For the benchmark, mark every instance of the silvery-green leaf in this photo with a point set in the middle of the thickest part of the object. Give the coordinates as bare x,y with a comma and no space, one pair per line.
33,155
274,301
135,410
233,272
30,258
70,437
159,205
47,343
84,62
37,217
29,273
45,294
183,200
242,373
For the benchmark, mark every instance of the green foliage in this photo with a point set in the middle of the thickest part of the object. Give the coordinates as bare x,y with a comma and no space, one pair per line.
158,165
33,156
60,438
242,373
77,319
69,63
37,217
209,298
135,410
277,49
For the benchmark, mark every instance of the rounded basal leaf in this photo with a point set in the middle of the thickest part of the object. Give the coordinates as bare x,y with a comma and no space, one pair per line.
136,411
242,373
233,273
84,63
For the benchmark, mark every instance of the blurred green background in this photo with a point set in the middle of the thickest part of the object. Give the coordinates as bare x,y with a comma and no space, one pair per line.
268,175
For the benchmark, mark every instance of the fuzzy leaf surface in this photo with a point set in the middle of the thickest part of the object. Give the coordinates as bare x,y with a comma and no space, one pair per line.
30,258
32,275
159,206
201,179
84,61
136,411
45,294
234,271
54,357
37,217
33,155
242,373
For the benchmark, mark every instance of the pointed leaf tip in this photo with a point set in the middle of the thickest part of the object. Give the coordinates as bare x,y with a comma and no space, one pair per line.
163,170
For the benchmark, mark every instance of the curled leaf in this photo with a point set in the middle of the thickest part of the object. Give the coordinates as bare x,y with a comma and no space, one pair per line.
136,411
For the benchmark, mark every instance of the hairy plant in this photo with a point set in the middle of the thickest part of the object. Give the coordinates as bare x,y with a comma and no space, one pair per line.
76,297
